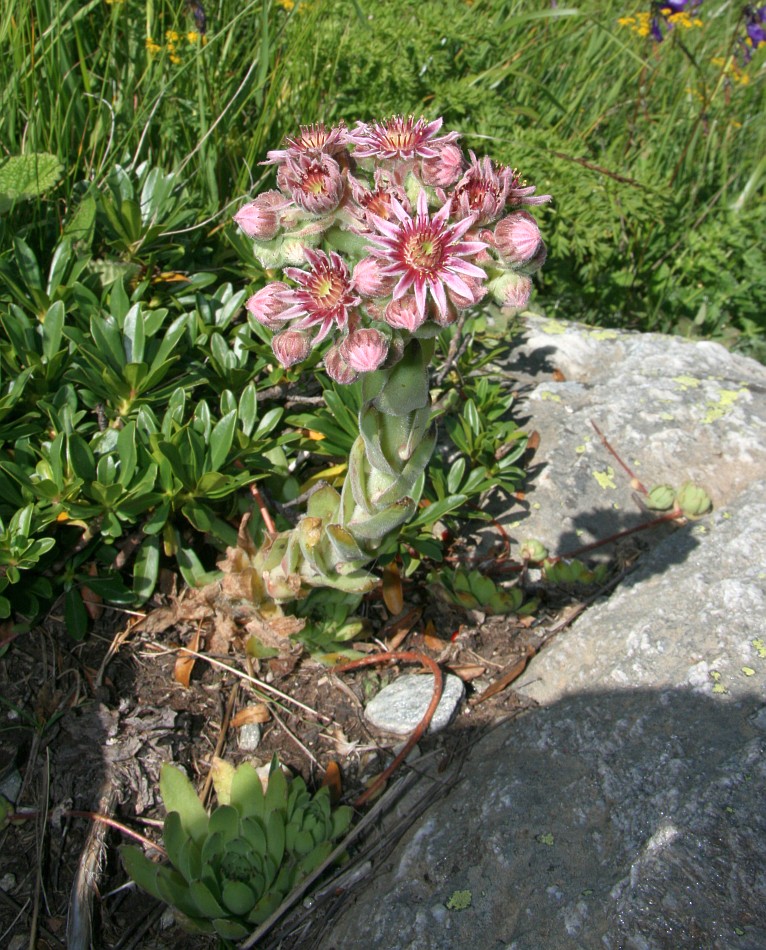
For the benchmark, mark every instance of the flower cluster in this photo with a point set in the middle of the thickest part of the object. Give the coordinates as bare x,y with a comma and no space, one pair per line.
663,15
173,45
383,232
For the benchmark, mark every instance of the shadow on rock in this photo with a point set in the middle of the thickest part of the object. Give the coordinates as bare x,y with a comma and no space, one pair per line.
607,820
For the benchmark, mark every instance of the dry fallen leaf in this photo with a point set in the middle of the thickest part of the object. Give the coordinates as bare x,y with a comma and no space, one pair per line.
256,713
332,779
397,629
435,643
184,665
513,672
393,595
467,671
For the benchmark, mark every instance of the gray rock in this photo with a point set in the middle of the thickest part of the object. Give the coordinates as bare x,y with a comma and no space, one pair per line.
626,810
673,411
399,707
249,737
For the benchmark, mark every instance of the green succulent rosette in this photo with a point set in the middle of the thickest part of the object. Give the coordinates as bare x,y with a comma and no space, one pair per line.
229,870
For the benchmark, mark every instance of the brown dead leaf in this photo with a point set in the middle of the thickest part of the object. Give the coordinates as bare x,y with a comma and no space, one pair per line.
332,780
513,672
184,665
94,603
224,630
467,671
558,376
397,629
393,595
259,712
435,643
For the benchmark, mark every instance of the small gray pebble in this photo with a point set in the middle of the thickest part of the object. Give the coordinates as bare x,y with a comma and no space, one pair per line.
249,737
399,708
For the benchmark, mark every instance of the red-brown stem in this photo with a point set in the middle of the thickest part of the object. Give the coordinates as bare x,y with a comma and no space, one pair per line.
94,816
637,481
271,528
403,657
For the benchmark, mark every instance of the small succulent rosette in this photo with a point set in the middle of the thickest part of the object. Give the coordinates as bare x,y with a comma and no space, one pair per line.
382,233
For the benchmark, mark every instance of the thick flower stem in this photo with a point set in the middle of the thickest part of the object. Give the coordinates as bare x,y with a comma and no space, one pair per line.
341,533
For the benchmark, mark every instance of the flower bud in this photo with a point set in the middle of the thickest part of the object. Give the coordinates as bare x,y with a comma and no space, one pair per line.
337,368
267,305
661,498
517,237
478,292
291,347
443,169
511,289
369,281
364,350
261,218
693,500
403,314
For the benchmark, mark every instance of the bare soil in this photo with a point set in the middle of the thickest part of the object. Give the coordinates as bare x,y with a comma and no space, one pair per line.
86,727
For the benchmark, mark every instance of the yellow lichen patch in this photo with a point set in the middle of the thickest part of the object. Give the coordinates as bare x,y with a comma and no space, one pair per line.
748,671
719,407
580,449
605,479
686,382
667,416
553,327
718,686
760,648
604,335
548,396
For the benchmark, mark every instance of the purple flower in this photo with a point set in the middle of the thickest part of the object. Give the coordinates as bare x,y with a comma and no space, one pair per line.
754,26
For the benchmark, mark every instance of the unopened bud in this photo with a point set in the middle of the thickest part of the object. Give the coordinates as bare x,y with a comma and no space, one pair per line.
267,306
291,347
517,237
364,350
403,314
337,368
511,289
261,218
369,280
443,169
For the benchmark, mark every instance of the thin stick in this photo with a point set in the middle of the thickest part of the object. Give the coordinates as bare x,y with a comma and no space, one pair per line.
20,816
636,481
295,739
406,657
259,684
204,794
271,528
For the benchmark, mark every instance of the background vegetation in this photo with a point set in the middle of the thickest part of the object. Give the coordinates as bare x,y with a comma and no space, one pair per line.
136,403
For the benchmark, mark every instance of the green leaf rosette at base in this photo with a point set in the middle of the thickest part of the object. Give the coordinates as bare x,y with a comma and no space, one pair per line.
229,870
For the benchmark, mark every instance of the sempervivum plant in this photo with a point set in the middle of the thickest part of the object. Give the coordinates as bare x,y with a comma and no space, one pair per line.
231,869
382,234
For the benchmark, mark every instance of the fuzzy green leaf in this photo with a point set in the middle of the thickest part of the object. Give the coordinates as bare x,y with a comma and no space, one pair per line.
178,795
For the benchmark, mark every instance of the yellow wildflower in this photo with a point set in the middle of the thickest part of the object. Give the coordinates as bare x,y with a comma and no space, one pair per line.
152,47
